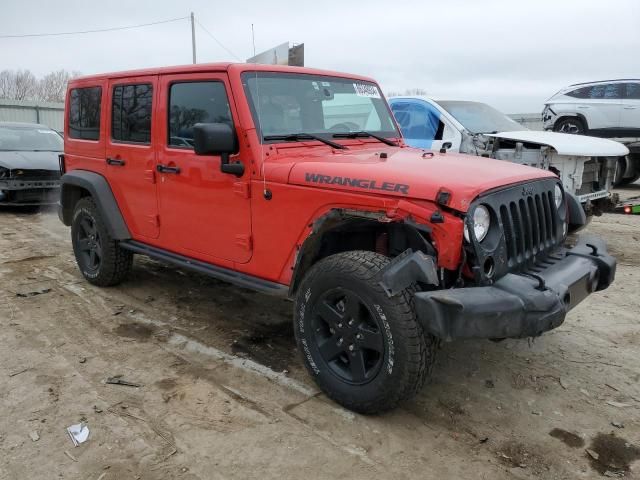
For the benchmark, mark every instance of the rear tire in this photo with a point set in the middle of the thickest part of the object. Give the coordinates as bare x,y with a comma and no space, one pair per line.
100,259
366,351
571,125
630,180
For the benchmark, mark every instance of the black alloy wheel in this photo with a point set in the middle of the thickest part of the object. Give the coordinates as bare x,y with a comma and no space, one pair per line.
348,336
89,244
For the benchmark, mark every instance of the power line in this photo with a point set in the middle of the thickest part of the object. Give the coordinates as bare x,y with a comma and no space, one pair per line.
112,29
218,41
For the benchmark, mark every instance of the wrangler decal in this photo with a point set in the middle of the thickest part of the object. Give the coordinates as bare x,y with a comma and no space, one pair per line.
357,182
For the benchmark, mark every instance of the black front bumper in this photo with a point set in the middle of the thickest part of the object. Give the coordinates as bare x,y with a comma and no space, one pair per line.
520,305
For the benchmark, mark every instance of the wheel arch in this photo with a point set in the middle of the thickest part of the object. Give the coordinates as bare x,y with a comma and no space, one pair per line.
82,183
566,116
342,230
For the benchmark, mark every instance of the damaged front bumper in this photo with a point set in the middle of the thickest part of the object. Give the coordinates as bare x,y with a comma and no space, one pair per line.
29,192
520,305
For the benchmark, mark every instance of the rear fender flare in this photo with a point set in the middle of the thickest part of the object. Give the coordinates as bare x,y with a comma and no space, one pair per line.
78,183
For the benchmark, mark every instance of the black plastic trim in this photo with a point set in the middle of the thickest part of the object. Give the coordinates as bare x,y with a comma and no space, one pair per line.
221,273
407,268
98,187
577,216
519,305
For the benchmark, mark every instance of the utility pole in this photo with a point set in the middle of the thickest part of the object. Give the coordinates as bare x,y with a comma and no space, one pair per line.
193,37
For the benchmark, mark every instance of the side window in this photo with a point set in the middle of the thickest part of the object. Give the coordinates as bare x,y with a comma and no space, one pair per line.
606,91
632,90
131,113
84,113
612,91
195,102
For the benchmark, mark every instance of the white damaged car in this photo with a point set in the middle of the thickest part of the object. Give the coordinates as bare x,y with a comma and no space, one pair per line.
586,165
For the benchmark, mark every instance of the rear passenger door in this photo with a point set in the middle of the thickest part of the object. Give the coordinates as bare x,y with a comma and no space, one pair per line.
205,214
630,117
130,158
602,107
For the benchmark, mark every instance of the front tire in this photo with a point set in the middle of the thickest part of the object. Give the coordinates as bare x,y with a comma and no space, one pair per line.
571,125
366,351
100,259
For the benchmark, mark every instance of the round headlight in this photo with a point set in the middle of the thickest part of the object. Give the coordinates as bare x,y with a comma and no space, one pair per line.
558,195
481,223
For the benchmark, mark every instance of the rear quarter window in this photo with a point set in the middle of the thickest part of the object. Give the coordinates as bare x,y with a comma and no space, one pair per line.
84,113
580,92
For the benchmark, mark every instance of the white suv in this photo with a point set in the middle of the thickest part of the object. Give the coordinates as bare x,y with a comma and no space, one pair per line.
608,108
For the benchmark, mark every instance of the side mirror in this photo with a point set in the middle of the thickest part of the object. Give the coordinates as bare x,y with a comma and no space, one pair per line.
217,139
445,146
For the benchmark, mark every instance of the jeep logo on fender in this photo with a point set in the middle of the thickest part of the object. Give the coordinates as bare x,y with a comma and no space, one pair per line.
357,182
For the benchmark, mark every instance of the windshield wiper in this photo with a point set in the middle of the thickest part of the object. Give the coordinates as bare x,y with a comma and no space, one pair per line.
363,134
296,137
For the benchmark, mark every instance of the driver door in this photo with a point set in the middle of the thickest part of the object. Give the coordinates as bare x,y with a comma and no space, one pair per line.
204,213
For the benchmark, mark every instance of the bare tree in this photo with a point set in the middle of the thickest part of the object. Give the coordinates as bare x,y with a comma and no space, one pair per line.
23,85
409,92
17,85
52,87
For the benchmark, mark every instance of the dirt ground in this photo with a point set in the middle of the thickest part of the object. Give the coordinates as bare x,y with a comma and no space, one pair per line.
223,393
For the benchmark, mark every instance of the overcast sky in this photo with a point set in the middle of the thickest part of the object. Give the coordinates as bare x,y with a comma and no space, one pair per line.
512,54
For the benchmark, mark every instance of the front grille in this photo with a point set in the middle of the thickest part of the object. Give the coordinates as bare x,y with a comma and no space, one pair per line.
35,174
529,226
526,228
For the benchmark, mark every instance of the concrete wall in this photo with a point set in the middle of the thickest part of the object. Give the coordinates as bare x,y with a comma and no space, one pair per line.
50,114
533,121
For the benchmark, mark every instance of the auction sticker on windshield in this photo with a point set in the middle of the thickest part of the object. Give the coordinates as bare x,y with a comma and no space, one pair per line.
365,90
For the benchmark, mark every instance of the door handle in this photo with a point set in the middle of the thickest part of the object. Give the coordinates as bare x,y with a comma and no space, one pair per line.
630,108
166,169
116,162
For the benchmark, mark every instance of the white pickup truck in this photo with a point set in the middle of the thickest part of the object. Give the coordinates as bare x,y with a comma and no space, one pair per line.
586,165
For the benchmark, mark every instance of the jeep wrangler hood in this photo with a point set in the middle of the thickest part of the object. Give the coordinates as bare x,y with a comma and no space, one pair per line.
565,144
411,173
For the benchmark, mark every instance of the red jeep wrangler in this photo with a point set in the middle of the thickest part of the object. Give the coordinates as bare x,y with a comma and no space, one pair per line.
296,182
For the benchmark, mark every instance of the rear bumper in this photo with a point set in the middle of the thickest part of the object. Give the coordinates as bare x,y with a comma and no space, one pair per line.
517,305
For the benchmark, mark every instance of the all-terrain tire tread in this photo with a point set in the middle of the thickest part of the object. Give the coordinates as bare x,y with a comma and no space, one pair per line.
116,262
366,266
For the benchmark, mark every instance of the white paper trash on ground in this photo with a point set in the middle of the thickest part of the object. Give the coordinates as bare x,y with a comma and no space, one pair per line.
78,433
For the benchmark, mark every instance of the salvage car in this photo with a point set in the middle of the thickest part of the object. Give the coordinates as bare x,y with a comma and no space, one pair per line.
29,165
298,184
586,165
609,108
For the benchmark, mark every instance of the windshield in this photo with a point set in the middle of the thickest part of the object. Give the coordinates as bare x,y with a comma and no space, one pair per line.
29,139
480,117
284,104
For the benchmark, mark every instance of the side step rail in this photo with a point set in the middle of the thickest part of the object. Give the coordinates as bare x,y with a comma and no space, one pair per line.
221,273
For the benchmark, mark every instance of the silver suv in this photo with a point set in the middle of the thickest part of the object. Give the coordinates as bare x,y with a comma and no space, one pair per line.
608,108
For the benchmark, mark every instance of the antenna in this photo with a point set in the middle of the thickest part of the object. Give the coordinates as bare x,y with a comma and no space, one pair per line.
265,192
